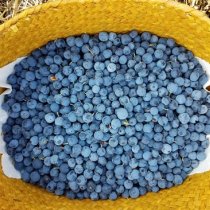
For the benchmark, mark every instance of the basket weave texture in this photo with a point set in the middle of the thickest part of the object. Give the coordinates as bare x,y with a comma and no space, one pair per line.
37,25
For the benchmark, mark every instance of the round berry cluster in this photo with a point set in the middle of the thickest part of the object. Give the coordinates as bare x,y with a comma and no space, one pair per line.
107,115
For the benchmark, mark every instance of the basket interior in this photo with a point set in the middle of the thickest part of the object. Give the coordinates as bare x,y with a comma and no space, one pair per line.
38,25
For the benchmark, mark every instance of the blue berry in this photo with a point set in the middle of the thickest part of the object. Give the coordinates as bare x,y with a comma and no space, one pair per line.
134,192
115,123
103,36
147,58
30,76
88,117
16,107
98,135
166,149
58,140
184,118
50,117
34,177
72,117
172,87
111,67
194,76
201,156
121,113
158,54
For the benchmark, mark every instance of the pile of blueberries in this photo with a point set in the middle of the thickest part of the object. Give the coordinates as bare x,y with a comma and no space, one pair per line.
107,115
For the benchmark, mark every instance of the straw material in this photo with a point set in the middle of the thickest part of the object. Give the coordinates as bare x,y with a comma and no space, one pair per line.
37,25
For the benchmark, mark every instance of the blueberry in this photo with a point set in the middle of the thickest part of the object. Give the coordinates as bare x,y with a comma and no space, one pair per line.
177,180
158,54
16,107
184,118
50,117
161,64
121,113
31,104
196,95
134,192
147,128
37,164
34,177
111,67
201,156
13,144
103,36
147,155
98,135
122,59
172,87
194,76
88,117
95,89
141,91
166,149
30,76
58,140
72,117
154,110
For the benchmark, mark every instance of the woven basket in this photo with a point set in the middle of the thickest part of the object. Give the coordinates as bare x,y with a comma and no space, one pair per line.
36,26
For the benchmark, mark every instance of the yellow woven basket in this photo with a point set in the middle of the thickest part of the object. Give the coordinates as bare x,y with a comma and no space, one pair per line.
36,26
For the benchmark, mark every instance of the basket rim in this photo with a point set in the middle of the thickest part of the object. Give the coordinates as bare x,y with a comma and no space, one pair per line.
45,6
